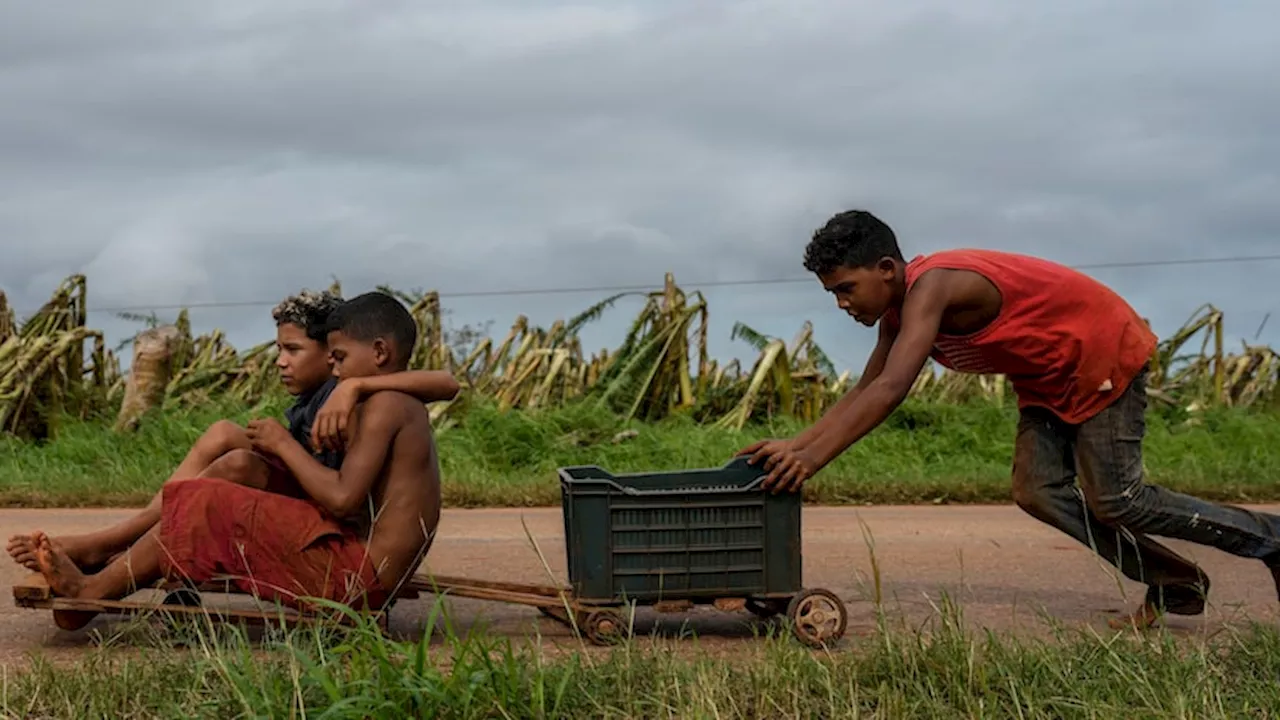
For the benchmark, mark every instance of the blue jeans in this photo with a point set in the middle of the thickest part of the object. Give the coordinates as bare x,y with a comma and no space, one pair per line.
1113,509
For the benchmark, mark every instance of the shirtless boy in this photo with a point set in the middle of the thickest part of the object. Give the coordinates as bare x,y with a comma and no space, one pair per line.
317,420
285,548
1077,357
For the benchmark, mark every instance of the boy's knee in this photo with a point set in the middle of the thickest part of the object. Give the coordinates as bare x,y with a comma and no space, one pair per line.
241,467
1027,497
1117,511
223,437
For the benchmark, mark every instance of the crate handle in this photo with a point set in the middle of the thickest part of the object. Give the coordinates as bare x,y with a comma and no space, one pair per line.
634,492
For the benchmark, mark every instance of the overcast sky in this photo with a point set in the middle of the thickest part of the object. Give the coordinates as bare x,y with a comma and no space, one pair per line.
183,152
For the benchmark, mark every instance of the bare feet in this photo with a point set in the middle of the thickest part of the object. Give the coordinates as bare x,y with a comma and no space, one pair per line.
1143,618
64,578
81,550
22,548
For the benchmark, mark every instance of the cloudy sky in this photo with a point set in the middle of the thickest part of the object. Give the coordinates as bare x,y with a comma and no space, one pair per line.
232,152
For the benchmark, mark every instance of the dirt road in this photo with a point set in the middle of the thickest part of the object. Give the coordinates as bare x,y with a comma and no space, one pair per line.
1002,566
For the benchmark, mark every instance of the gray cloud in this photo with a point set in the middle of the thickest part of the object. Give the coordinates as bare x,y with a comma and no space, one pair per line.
195,153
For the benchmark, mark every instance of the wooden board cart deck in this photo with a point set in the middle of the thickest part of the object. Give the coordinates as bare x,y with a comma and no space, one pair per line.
817,615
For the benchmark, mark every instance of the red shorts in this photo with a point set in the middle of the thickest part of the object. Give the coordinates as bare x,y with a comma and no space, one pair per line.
272,546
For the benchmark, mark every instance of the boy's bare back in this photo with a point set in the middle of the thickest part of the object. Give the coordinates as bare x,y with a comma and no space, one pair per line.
405,498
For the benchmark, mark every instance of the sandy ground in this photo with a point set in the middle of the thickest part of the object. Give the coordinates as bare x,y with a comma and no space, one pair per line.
1007,570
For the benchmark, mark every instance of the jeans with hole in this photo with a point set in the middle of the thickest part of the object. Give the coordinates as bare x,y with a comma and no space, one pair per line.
1113,509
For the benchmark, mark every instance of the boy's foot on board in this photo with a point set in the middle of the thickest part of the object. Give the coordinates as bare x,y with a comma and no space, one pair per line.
79,548
65,580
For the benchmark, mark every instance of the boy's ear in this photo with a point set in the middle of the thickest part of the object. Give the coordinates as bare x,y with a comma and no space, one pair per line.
381,352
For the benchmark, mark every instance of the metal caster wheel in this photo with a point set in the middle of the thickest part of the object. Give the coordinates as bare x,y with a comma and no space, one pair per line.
818,617
603,627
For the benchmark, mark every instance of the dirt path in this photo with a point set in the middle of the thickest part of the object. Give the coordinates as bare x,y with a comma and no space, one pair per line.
1002,566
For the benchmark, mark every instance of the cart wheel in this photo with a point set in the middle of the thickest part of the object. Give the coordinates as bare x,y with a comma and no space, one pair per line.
818,617
603,627
766,608
182,596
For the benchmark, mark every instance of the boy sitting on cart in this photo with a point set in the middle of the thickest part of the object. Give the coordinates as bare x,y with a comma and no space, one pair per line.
317,420
355,536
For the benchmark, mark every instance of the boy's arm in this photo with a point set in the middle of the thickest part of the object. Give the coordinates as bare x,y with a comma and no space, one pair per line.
425,385
271,436
921,317
875,366
329,428
344,492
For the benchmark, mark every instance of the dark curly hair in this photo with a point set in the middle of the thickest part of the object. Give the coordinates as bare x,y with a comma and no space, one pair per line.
308,310
854,238
364,318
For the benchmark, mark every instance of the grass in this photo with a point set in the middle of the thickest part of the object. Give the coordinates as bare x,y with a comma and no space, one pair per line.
925,453
946,671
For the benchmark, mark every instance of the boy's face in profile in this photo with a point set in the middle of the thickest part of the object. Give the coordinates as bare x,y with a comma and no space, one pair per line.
353,358
303,362
863,292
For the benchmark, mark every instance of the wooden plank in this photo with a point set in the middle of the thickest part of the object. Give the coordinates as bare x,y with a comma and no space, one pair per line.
429,583
222,614
34,592
34,587
517,598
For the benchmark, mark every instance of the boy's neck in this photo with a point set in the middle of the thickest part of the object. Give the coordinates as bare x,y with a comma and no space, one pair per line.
899,284
305,395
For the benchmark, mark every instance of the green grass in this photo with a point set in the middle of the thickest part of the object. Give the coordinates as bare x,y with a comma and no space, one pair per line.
946,671
925,453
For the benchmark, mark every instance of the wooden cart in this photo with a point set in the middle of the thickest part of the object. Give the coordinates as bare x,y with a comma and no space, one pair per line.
818,616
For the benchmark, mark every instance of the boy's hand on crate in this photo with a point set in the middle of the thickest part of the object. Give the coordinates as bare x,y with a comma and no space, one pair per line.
788,465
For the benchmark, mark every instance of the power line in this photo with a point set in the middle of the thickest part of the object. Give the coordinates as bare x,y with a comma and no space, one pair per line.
614,289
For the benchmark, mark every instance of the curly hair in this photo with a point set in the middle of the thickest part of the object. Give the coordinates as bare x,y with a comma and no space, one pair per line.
854,238
308,310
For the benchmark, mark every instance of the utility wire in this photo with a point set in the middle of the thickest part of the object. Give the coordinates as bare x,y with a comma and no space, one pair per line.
614,289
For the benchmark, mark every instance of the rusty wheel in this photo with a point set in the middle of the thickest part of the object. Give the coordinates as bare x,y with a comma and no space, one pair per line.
603,627
818,617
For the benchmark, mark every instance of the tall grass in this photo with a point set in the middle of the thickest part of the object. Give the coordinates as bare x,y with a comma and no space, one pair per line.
943,671
925,453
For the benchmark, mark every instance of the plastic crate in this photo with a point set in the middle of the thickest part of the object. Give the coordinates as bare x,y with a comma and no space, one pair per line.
690,535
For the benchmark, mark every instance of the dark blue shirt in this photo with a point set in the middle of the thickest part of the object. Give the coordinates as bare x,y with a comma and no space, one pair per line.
302,416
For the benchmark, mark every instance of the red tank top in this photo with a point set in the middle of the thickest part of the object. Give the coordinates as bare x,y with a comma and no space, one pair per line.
1066,342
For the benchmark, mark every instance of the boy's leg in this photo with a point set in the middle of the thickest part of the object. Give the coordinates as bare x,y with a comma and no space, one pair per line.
92,550
1044,474
1109,455
138,567
221,438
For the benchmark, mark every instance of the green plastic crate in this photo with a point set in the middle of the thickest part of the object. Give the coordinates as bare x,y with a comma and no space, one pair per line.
692,535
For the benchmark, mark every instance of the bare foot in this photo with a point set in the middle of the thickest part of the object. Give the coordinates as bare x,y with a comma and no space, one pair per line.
65,580
22,548
1143,618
